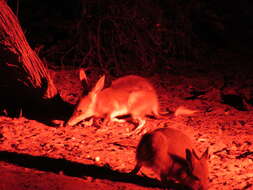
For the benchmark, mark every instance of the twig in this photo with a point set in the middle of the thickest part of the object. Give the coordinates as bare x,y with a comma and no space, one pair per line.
244,155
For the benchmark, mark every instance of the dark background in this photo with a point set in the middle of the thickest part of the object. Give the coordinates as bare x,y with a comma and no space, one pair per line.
134,36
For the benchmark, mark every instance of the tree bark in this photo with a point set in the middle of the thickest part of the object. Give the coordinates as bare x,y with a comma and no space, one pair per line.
24,79
17,57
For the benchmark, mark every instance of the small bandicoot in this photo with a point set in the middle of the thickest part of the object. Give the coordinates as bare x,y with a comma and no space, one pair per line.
129,95
171,154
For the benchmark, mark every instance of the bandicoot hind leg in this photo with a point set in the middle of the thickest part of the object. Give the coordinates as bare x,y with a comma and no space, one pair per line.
140,129
140,123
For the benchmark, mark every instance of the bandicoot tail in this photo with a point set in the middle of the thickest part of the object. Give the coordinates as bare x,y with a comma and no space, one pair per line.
181,110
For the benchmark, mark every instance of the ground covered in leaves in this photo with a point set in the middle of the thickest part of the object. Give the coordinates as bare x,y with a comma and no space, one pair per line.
37,156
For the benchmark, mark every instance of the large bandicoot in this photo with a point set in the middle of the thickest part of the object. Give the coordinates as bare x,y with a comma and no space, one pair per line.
171,155
129,95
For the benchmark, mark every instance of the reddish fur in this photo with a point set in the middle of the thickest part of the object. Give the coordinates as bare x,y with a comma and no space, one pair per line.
130,94
158,150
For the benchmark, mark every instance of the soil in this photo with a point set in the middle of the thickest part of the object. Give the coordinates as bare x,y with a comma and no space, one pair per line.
35,156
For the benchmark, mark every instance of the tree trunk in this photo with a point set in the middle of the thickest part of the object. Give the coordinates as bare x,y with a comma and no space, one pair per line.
18,58
24,79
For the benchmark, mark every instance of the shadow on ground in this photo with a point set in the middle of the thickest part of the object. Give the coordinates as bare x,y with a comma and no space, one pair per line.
75,169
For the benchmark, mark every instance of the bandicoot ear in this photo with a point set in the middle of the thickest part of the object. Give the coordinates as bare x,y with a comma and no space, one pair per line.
99,85
82,75
84,81
190,163
195,155
205,155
